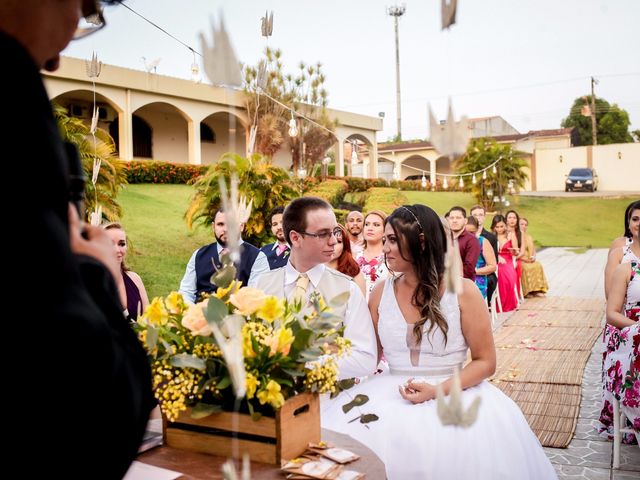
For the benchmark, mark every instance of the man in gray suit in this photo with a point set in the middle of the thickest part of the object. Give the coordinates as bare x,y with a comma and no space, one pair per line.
311,229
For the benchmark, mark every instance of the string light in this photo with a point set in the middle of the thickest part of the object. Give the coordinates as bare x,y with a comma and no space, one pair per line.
484,174
445,185
473,179
424,181
195,70
293,127
494,170
354,152
461,183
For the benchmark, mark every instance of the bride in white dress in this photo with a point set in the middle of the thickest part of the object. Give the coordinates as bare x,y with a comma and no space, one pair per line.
425,332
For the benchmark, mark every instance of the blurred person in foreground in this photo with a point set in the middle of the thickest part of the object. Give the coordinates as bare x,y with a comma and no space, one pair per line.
92,382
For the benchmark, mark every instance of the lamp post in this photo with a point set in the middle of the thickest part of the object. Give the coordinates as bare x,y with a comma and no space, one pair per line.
396,12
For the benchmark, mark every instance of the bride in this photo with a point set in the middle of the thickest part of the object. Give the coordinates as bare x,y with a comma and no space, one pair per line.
424,332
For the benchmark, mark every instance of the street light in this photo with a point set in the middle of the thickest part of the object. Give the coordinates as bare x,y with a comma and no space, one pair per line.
396,12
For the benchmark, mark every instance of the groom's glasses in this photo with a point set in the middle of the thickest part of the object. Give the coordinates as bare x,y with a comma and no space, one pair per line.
336,232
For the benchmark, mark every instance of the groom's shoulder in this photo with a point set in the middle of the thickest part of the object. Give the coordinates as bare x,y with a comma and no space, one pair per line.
338,275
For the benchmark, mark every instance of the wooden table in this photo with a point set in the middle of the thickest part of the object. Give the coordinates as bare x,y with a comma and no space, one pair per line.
199,466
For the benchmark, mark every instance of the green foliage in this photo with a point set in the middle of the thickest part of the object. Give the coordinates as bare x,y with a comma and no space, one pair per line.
332,190
612,123
110,177
258,179
510,173
357,184
154,171
385,199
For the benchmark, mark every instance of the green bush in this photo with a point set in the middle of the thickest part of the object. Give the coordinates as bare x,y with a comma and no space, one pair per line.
384,198
363,184
332,190
153,171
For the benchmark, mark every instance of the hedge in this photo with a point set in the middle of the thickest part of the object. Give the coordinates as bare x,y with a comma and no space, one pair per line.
386,199
332,191
154,171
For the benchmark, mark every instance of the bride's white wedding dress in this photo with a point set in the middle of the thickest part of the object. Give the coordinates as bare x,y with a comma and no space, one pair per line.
410,439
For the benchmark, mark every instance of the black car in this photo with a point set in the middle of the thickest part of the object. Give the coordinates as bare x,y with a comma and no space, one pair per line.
581,179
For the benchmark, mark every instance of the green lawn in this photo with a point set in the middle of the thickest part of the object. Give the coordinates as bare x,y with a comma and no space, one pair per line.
162,244
158,234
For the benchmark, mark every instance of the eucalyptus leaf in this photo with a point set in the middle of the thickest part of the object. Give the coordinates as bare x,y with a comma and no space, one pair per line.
358,401
223,383
293,372
224,276
201,410
152,338
368,417
216,311
184,360
339,300
346,384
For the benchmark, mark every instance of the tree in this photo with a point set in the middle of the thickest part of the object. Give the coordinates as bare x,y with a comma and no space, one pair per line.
612,123
111,175
509,175
304,93
259,180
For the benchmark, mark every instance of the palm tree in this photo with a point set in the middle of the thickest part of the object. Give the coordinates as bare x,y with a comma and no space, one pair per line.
509,171
111,175
258,180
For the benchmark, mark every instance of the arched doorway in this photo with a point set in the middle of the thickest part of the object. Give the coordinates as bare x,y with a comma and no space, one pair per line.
357,149
160,132
220,133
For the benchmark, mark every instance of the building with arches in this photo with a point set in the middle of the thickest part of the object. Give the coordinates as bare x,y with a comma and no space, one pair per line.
157,117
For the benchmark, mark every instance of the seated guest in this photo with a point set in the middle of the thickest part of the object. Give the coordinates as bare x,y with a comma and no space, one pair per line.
507,277
621,374
277,252
206,260
467,243
133,295
371,259
343,261
486,261
533,280
620,250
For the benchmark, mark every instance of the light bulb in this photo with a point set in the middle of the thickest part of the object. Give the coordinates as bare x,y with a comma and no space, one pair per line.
195,73
484,174
495,170
445,184
424,181
293,127
507,203
473,179
461,183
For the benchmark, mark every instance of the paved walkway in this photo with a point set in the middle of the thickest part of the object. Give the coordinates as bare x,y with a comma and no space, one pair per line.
561,193
578,273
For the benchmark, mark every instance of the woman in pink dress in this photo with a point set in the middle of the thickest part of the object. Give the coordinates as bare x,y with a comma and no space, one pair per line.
371,259
507,276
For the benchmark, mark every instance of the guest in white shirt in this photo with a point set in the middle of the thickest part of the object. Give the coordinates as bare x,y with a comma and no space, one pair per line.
311,229
204,262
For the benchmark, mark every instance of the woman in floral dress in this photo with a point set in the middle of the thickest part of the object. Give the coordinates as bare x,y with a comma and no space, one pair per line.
621,365
371,259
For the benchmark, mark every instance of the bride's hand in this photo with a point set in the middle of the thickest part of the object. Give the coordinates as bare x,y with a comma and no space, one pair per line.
417,391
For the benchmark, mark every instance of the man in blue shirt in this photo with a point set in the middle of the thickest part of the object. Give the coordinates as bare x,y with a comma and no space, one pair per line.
206,260
277,252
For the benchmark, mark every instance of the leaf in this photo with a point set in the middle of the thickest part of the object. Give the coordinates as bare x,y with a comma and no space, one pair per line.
216,311
347,383
358,401
223,277
293,372
223,383
152,337
201,410
339,300
184,360
368,417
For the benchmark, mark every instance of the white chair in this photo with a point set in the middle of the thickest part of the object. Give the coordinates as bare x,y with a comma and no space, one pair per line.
619,422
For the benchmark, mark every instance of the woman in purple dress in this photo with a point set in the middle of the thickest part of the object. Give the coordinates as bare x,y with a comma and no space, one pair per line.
133,295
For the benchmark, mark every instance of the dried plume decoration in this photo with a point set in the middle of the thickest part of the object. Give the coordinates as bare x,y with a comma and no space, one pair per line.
453,412
237,211
220,62
450,139
93,69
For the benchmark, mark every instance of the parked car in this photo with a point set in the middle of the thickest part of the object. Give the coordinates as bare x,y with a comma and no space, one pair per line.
581,179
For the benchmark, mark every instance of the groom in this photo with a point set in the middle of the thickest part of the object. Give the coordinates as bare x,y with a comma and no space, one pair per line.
311,229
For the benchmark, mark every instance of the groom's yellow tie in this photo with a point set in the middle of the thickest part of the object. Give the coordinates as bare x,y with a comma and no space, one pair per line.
300,289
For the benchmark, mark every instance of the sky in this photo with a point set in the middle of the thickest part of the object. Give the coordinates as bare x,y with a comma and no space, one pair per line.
524,60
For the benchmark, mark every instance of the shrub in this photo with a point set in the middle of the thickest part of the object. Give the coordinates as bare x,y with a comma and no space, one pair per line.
386,199
153,171
332,191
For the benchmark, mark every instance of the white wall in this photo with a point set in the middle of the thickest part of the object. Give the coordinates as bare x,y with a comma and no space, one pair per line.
169,134
618,173
551,168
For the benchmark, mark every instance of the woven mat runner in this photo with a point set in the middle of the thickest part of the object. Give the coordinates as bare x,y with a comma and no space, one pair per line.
541,354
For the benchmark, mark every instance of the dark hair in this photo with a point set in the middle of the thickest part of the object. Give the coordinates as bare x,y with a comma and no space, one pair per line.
346,263
275,211
471,220
458,209
118,226
496,219
477,207
518,232
295,214
627,216
408,222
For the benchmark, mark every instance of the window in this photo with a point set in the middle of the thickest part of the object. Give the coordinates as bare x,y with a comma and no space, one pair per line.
207,135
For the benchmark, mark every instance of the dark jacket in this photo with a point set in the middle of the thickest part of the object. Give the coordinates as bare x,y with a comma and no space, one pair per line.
275,260
80,375
207,257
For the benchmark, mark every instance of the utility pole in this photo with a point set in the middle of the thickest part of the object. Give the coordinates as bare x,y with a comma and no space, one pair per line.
594,128
396,12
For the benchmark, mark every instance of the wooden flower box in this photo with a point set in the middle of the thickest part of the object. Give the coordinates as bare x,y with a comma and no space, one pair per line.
267,440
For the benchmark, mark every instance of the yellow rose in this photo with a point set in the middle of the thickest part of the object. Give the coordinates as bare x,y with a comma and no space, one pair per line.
174,303
155,314
271,395
252,384
247,300
195,321
272,309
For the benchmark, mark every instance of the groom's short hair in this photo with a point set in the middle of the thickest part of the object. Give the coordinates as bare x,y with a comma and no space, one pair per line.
295,215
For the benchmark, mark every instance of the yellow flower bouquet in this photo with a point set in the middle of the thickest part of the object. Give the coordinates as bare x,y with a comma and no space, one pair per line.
239,345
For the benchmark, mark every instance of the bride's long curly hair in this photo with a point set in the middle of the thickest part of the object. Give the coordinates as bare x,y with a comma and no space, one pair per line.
427,254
